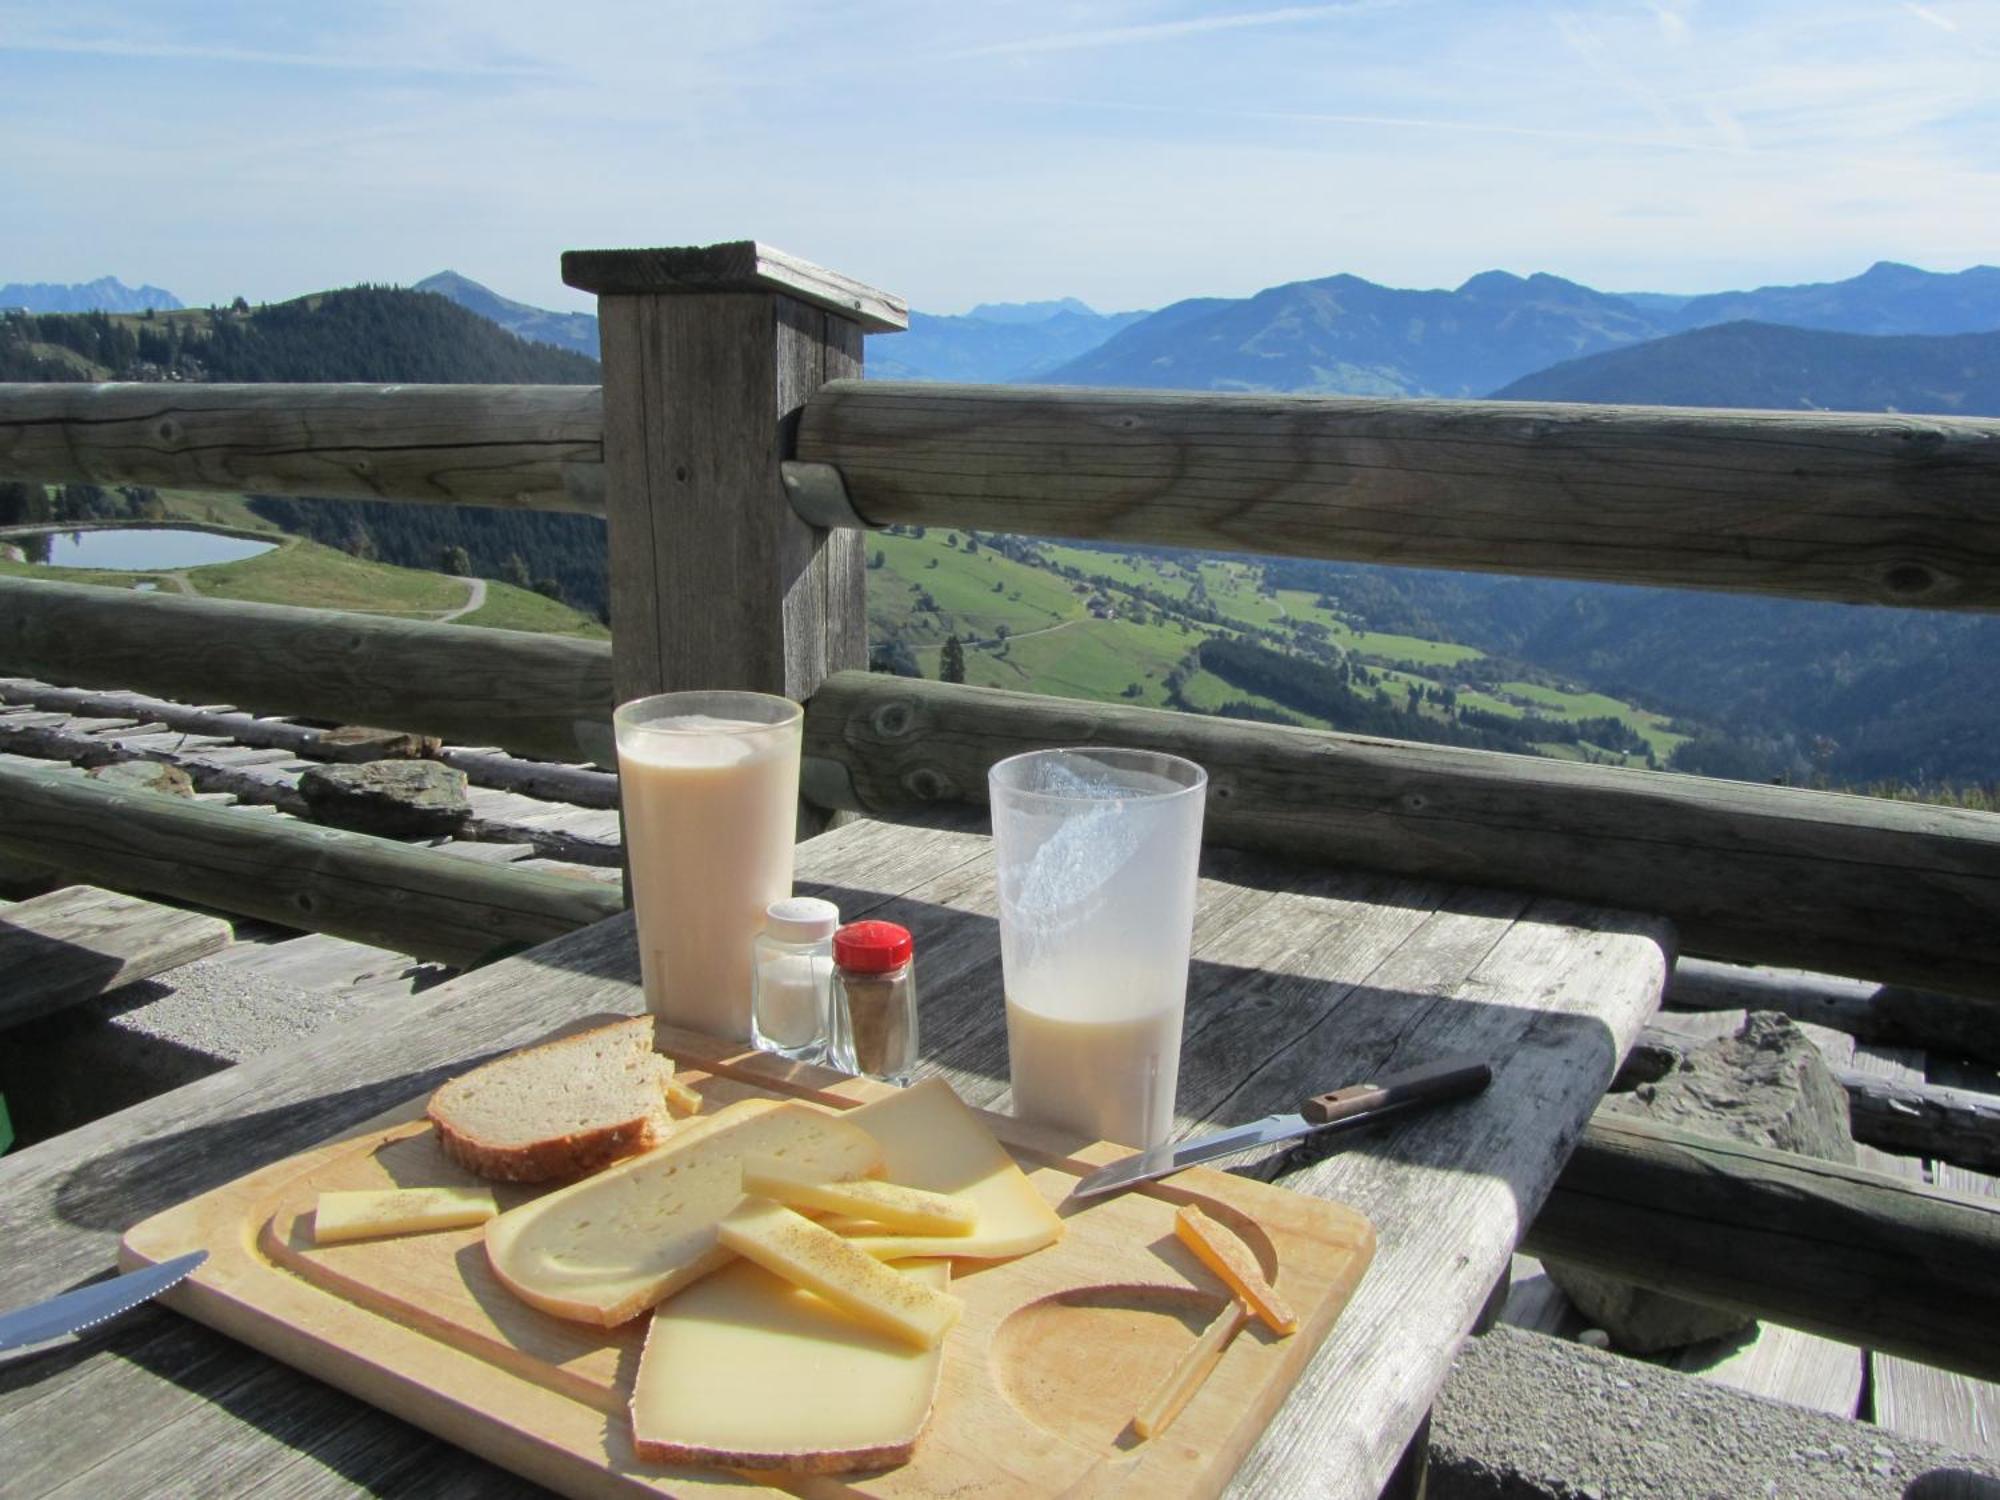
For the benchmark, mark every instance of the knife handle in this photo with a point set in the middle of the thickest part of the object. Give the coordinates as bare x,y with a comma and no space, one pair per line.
1447,1078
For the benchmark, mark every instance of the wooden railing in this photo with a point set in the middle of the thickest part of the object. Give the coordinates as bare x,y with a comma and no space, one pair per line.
737,462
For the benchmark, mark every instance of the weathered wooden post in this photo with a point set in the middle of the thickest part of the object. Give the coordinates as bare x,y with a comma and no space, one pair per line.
717,581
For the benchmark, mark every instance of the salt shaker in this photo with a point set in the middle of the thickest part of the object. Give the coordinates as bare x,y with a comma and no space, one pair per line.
792,962
873,1014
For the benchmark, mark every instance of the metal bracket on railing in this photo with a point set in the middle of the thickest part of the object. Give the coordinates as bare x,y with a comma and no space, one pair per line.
819,495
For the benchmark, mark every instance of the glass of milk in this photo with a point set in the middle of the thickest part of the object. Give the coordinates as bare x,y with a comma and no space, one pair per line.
1096,852
709,783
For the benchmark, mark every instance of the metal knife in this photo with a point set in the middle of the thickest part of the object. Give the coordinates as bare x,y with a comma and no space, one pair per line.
92,1304
1357,1104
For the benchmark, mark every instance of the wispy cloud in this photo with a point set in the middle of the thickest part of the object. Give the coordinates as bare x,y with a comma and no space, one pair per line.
1164,31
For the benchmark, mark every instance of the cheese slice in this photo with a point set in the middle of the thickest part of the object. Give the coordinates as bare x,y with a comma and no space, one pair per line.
930,1140
1230,1259
607,1248
884,1205
362,1215
788,1244
746,1370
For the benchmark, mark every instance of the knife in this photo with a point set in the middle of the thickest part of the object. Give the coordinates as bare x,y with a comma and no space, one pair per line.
92,1304
1357,1104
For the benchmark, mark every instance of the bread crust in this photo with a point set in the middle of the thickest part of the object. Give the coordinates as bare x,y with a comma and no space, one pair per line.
552,1158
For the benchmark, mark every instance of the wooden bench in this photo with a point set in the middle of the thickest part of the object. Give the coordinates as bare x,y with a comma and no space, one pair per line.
77,943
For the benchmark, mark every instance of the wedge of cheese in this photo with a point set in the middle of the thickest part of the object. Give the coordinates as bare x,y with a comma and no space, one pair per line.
883,1205
607,1248
789,1245
338,1217
745,1370
930,1140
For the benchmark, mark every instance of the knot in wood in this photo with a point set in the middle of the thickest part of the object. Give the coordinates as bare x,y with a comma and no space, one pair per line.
169,430
894,720
1910,580
928,784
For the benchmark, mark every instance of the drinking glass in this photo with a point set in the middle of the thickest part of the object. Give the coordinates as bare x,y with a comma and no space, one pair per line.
1096,853
710,786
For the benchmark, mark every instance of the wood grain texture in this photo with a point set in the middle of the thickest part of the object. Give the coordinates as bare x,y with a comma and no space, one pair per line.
80,942
1899,1114
1841,1252
733,266
515,446
420,1326
1888,1015
372,890
715,581
1913,1396
1868,509
538,694
1768,874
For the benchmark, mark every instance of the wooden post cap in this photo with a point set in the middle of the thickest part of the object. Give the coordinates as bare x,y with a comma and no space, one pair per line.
737,266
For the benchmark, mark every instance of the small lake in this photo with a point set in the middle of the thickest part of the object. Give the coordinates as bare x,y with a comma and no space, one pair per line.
148,549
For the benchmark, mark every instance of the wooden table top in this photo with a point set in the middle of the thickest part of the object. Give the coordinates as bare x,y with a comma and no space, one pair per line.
1302,980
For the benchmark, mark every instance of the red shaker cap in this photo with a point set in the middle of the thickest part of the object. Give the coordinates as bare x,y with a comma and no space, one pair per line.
872,947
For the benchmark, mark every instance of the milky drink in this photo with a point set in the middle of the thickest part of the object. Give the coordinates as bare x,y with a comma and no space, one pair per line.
710,794
1096,853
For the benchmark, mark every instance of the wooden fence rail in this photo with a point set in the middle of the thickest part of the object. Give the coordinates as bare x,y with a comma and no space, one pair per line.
1892,890
536,446
1869,509
322,879
537,694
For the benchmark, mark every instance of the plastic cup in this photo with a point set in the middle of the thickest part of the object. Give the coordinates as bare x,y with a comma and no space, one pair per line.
710,786
1097,852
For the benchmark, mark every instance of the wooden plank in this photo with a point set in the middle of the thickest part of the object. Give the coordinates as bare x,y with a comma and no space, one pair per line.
1813,1245
74,944
1870,509
1894,1110
1782,1364
445,1346
1910,1396
715,581
375,891
512,446
539,694
1887,1014
1893,889
734,266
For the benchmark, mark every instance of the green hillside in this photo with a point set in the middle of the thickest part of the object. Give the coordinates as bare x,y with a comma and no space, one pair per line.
306,574
1203,634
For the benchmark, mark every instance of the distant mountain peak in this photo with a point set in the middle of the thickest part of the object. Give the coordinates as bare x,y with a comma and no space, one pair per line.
1031,312
576,332
1492,281
106,294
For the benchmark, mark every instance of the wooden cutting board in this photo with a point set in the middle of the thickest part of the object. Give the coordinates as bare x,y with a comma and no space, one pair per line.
1040,1380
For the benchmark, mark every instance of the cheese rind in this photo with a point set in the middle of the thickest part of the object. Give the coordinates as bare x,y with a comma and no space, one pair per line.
607,1248
1230,1259
342,1216
930,1140
788,1244
748,1371
889,1205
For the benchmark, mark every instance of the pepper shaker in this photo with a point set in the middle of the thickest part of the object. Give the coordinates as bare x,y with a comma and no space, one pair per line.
873,1015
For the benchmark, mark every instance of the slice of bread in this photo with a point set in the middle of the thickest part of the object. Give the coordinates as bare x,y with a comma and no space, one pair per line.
558,1110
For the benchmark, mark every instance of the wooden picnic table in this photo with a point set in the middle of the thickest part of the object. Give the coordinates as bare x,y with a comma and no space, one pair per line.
1303,979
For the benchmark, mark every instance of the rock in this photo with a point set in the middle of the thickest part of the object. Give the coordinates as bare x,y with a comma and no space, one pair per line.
1766,1085
392,798
356,743
144,776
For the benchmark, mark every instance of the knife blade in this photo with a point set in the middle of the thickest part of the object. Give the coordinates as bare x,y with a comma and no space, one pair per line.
76,1310
1357,1104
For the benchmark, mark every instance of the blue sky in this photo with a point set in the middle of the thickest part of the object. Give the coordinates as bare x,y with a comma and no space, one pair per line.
1126,152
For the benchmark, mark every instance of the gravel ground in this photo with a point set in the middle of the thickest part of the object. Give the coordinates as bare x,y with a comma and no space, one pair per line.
1527,1416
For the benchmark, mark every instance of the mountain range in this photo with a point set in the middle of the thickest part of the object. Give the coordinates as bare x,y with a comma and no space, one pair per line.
106,294
1779,368
1344,335
576,331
